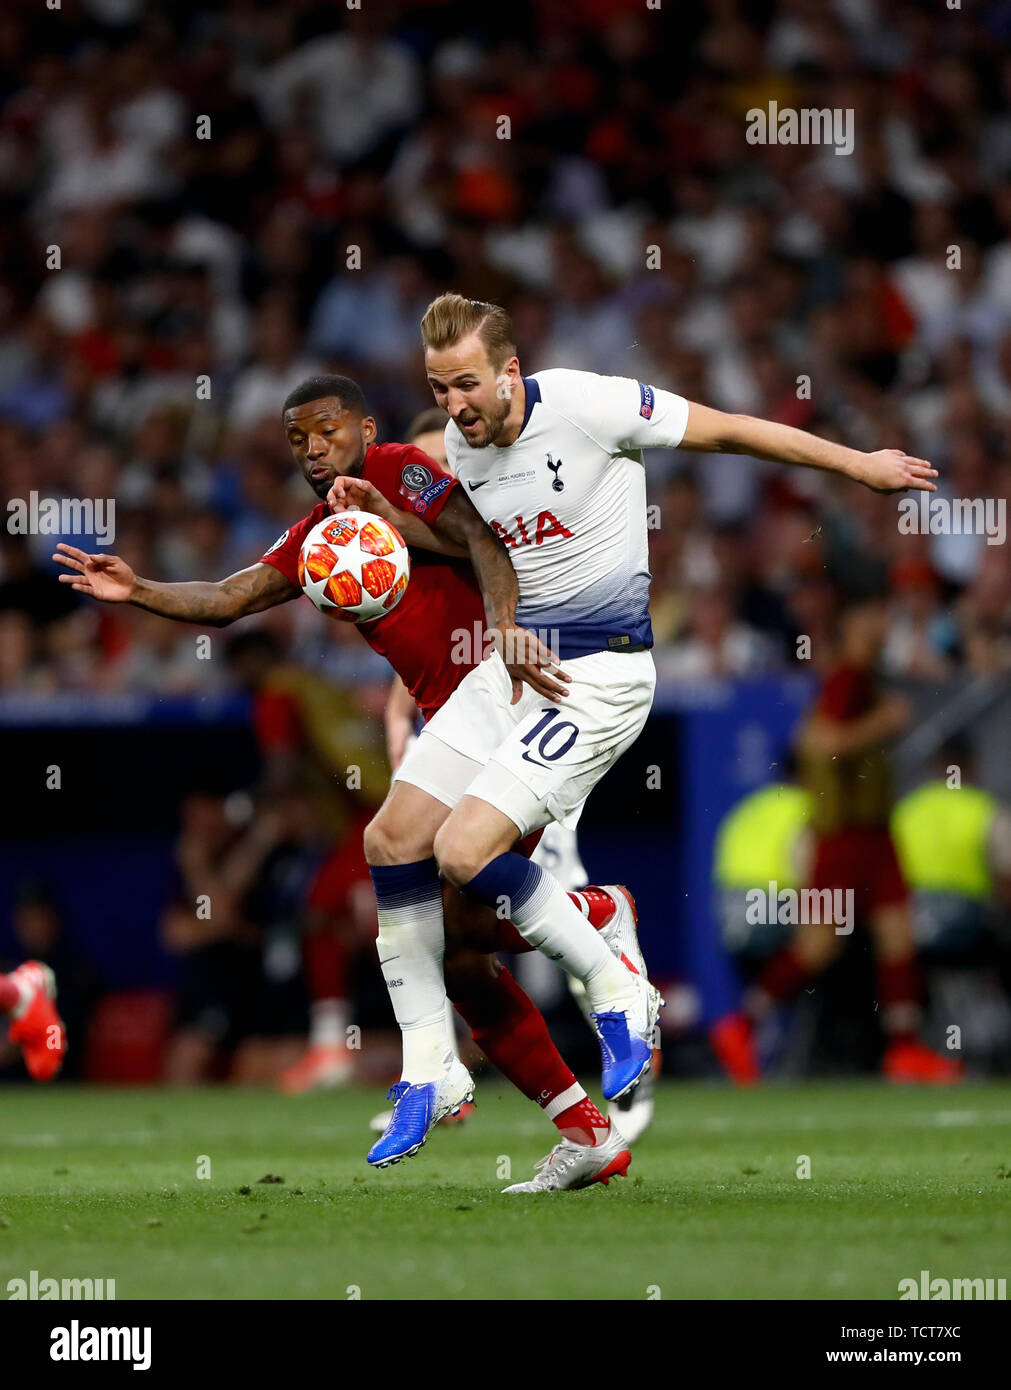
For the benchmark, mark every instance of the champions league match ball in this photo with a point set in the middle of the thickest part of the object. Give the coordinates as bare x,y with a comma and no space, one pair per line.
354,566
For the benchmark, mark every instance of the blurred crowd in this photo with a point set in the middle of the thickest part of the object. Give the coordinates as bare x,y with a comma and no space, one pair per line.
354,165
202,204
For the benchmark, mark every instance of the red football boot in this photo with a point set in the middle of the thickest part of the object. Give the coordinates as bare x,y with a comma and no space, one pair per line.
913,1062
39,1029
319,1069
733,1040
462,1115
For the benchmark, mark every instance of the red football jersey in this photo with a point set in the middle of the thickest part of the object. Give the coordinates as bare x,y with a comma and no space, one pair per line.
442,597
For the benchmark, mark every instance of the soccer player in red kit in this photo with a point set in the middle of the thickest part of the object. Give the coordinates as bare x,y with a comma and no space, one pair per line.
844,764
330,433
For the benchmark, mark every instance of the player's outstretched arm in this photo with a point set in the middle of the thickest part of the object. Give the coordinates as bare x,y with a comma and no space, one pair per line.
887,470
214,603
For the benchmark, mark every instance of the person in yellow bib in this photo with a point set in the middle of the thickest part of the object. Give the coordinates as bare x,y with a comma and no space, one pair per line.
954,845
953,840
764,839
854,876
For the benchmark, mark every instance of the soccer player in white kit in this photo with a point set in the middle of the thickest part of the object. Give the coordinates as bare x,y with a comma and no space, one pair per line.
553,462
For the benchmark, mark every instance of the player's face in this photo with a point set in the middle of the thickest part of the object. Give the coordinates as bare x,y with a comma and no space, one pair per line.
327,439
432,443
477,397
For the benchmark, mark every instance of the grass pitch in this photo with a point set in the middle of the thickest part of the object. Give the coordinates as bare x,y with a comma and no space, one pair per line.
103,1184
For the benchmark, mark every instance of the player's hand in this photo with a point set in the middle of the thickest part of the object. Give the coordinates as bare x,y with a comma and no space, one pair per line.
356,495
530,662
890,470
104,577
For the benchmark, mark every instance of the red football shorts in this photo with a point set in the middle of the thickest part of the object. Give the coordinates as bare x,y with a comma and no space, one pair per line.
862,858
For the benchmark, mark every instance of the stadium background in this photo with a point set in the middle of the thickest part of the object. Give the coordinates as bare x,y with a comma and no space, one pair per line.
227,257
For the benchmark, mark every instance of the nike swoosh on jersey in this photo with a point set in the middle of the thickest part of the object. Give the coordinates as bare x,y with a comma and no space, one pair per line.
474,486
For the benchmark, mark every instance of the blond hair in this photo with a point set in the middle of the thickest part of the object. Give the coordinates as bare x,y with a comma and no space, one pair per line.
452,317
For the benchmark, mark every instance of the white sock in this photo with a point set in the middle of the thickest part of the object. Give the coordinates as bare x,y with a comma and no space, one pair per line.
451,1027
411,945
549,920
328,1021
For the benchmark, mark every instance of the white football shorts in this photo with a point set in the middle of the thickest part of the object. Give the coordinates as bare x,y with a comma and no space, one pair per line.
535,761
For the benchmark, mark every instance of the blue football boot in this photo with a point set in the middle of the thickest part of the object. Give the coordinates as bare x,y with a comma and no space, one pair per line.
626,1041
417,1106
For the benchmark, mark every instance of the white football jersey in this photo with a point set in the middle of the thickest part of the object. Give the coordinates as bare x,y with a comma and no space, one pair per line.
568,499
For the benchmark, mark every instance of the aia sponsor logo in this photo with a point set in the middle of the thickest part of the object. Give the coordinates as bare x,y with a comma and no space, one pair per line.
546,526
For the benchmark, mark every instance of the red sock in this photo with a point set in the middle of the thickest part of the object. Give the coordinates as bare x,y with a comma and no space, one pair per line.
583,1123
511,1033
595,905
9,994
327,964
784,976
898,991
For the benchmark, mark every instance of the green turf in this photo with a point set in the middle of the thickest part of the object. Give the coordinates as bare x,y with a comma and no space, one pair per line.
102,1183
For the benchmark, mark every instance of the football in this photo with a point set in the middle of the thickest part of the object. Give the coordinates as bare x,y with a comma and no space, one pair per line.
354,566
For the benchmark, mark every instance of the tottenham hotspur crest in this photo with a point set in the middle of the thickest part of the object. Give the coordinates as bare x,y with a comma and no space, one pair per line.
553,467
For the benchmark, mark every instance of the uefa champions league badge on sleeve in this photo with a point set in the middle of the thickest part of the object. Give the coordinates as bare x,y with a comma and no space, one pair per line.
646,396
420,482
415,477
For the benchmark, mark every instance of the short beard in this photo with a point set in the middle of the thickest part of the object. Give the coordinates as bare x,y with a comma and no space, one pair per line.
321,489
495,427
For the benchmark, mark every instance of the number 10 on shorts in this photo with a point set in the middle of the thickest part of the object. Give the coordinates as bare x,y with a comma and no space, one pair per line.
555,737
